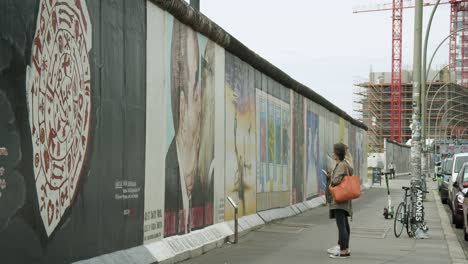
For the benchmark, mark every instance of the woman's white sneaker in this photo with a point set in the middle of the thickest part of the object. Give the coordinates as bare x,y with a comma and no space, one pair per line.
334,249
340,255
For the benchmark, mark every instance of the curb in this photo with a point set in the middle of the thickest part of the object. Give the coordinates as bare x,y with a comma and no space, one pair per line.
179,248
455,250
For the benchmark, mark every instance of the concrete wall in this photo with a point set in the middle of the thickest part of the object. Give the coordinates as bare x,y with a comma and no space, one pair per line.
444,149
399,154
121,125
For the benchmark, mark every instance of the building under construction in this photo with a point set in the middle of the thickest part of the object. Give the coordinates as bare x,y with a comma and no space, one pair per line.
447,107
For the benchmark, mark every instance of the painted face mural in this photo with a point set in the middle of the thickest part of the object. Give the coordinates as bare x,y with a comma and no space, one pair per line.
189,160
59,104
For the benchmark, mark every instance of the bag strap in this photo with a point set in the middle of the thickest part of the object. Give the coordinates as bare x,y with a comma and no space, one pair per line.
347,168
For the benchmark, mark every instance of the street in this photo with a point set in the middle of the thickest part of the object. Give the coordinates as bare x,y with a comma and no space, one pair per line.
305,238
458,232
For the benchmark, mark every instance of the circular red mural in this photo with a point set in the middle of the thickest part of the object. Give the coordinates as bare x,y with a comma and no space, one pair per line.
59,103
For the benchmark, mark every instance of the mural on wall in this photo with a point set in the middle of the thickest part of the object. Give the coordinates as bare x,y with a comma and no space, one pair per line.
363,150
313,176
262,166
286,126
189,165
203,211
273,141
59,103
90,131
342,130
298,148
277,162
74,151
271,169
155,127
355,149
240,163
352,136
12,188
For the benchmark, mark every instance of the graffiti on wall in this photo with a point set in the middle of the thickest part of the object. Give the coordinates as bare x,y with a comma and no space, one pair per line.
454,149
59,103
189,166
240,137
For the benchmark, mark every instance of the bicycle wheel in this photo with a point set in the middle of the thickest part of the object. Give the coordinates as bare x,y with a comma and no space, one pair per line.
424,188
408,216
399,221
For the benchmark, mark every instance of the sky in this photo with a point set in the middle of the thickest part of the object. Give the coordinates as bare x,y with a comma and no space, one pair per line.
322,44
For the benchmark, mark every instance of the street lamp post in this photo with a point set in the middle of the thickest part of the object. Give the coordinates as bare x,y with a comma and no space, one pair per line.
424,158
416,125
463,132
458,135
426,69
438,113
418,226
428,130
430,108
451,119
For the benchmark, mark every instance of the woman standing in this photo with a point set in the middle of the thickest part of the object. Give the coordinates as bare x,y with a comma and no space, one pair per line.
340,211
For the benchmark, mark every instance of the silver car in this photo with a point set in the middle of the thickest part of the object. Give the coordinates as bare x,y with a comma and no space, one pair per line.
458,161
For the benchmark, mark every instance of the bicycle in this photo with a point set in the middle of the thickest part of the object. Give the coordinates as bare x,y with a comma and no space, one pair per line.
404,217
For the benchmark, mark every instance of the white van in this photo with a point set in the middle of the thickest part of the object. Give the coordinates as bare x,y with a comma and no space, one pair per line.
458,161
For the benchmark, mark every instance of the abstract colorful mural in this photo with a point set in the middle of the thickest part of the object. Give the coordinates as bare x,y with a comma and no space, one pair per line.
273,117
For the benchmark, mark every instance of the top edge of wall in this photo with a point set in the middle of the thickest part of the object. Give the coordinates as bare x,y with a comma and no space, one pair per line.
396,143
199,22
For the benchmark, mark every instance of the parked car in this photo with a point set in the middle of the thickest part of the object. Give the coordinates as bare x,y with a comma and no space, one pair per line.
458,194
437,169
465,214
444,175
458,161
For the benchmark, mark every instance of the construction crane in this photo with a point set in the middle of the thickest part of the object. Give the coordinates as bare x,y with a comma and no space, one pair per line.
397,6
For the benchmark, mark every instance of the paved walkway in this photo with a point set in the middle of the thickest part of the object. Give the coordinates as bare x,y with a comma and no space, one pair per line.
305,238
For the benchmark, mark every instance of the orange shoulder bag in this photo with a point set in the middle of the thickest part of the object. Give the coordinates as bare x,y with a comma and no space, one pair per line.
348,189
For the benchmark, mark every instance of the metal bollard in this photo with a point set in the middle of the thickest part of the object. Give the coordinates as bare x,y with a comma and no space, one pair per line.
236,223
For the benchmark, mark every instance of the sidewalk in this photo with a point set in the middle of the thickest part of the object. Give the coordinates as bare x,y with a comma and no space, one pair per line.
305,238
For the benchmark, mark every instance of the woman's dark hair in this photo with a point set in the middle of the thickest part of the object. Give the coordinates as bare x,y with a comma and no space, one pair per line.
340,150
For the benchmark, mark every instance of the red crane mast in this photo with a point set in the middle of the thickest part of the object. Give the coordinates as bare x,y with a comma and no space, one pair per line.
396,7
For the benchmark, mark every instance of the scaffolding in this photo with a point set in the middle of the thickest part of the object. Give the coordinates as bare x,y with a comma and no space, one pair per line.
447,109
